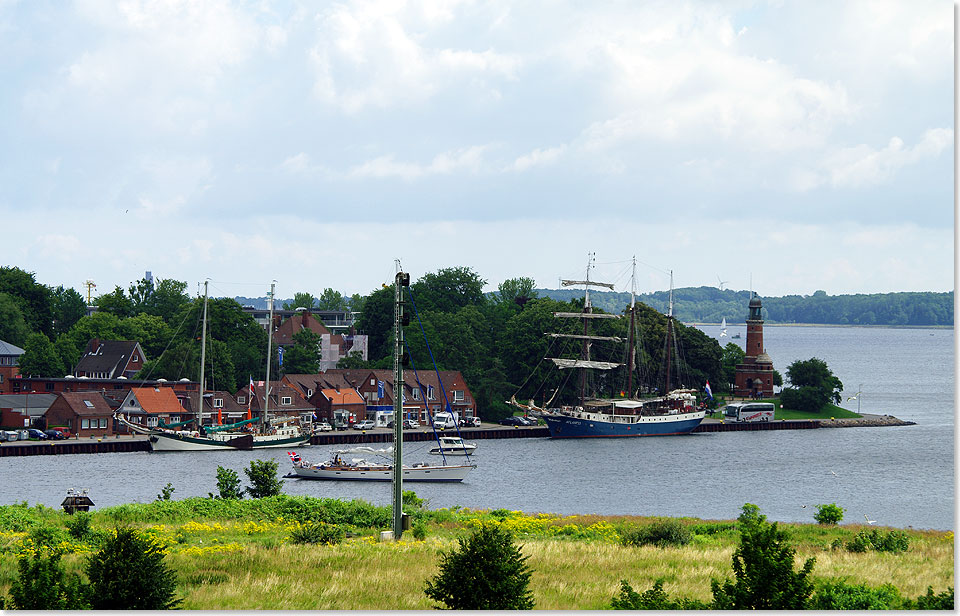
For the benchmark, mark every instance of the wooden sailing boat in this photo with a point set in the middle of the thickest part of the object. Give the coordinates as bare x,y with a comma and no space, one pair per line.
673,413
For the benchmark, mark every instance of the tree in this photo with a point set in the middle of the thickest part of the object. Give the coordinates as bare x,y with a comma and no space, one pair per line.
68,307
116,303
101,325
35,300
301,300
40,358
67,351
376,319
732,356
828,514
352,361
448,290
304,356
168,297
44,585
150,330
263,479
332,300
128,573
13,327
488,572
228,483
516,291
813,386
763,568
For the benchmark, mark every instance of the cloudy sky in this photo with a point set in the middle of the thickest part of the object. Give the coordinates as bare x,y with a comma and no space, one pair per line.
794,145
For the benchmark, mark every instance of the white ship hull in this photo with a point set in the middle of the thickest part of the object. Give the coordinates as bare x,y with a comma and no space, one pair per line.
220,442
378,472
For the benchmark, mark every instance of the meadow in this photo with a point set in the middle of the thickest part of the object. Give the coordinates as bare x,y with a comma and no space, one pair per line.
243,554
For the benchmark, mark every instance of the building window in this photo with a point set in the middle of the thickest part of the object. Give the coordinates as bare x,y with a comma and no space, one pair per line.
88,404
430,395
103,422
458,395
241,399
151,422
416,393
286,400
218,403
309,393
84,424
373,381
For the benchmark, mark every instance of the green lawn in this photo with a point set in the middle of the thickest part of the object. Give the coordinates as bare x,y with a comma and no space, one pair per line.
829,411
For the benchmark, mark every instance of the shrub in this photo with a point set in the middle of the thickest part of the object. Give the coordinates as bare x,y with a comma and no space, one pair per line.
930,601
763,568
838,595
128,573
488,572
78,525
228,483
653,599
263,477
43,585
419,529
166,492
412,502
662,533
321,533
828,514
873,539
47,537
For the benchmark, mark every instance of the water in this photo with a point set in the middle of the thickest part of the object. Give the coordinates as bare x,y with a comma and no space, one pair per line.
899,476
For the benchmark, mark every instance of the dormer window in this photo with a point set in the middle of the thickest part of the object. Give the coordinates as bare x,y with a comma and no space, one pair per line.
241,399
218,403
309,393
416,393
430,394
286,401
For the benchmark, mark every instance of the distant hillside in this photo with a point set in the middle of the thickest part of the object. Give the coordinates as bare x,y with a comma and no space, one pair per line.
710,305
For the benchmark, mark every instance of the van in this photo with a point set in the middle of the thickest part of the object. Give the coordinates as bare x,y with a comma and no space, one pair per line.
442,421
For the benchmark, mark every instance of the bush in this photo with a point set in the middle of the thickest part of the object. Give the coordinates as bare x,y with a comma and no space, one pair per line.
166,492
78,525
263,477
128,573
893,541
43,585
828,514
47,537
930,601
419,529
488,572
763,568
838,595
662,533
228,483
321,533
411,501
653,599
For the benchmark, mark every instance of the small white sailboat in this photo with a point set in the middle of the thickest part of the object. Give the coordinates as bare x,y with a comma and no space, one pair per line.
359,469
723,327
453,446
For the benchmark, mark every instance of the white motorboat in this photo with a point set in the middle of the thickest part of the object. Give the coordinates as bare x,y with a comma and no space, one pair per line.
359,469
453,446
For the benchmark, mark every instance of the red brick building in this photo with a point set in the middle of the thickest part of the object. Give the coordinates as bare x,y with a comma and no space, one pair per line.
754,377
84,414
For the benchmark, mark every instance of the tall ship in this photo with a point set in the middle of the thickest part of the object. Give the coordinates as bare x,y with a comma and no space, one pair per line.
628,415
251,433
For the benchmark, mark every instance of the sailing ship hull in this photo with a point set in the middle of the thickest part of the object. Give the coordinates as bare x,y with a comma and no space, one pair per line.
567,426
445,474
179,442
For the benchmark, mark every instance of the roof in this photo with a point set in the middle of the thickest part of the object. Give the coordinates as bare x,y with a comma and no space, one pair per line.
87,403
342,396
189,402
107,356
158,400
295,324
31,404
10,349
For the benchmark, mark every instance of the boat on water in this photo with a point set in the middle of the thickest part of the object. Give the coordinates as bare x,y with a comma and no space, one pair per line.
723,327
671,414
251,433
339,468
453,446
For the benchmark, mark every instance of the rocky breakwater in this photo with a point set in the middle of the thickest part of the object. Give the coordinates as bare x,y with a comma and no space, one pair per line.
866,421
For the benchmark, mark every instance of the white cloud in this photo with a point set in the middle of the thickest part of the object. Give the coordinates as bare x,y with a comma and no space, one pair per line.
539,158
384,167
862,165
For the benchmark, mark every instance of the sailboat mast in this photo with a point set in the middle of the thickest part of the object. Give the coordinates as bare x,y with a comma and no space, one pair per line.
203,353
633,306
669,334
587,309
266,389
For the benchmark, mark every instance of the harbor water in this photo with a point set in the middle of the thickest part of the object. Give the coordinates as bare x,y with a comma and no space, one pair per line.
898,476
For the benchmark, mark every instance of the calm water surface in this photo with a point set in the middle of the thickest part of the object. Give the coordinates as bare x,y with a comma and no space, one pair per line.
901,476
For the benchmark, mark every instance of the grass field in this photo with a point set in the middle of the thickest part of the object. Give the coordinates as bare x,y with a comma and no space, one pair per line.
239,555
780,413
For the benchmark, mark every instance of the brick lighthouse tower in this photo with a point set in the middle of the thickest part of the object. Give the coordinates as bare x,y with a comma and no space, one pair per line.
754,377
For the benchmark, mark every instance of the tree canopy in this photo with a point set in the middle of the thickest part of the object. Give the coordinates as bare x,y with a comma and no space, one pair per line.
813,386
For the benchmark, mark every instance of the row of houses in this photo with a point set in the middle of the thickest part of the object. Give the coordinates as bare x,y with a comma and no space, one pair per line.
85,404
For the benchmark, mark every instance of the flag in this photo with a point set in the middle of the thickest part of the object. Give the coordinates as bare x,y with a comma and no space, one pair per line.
280,356
250,399
707,389
379,390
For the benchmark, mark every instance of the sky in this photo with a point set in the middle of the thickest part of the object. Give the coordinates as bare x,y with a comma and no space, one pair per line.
781,146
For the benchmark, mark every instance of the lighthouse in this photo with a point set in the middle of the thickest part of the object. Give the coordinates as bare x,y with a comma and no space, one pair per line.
754,377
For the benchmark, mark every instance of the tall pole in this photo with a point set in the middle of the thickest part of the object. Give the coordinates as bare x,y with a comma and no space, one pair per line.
669,335
400,281
266,388
633,305
203,354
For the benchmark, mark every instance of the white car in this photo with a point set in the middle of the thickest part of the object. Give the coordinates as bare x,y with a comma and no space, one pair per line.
366,424
322,427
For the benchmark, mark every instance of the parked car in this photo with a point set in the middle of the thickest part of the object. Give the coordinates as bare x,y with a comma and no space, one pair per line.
528,421
322,426
513,420
54,435
409,424
37,434
470,422
366,424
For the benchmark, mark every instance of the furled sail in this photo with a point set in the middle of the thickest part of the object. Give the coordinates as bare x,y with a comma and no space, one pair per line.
583,363
584,337
586,315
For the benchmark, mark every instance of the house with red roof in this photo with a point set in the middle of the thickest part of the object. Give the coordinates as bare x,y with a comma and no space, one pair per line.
147,406
85,413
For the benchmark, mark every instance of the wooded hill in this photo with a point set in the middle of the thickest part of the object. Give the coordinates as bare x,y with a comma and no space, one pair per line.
710,305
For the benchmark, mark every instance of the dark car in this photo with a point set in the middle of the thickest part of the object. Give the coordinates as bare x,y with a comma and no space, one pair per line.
513,420
54,435
529,421
37,434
